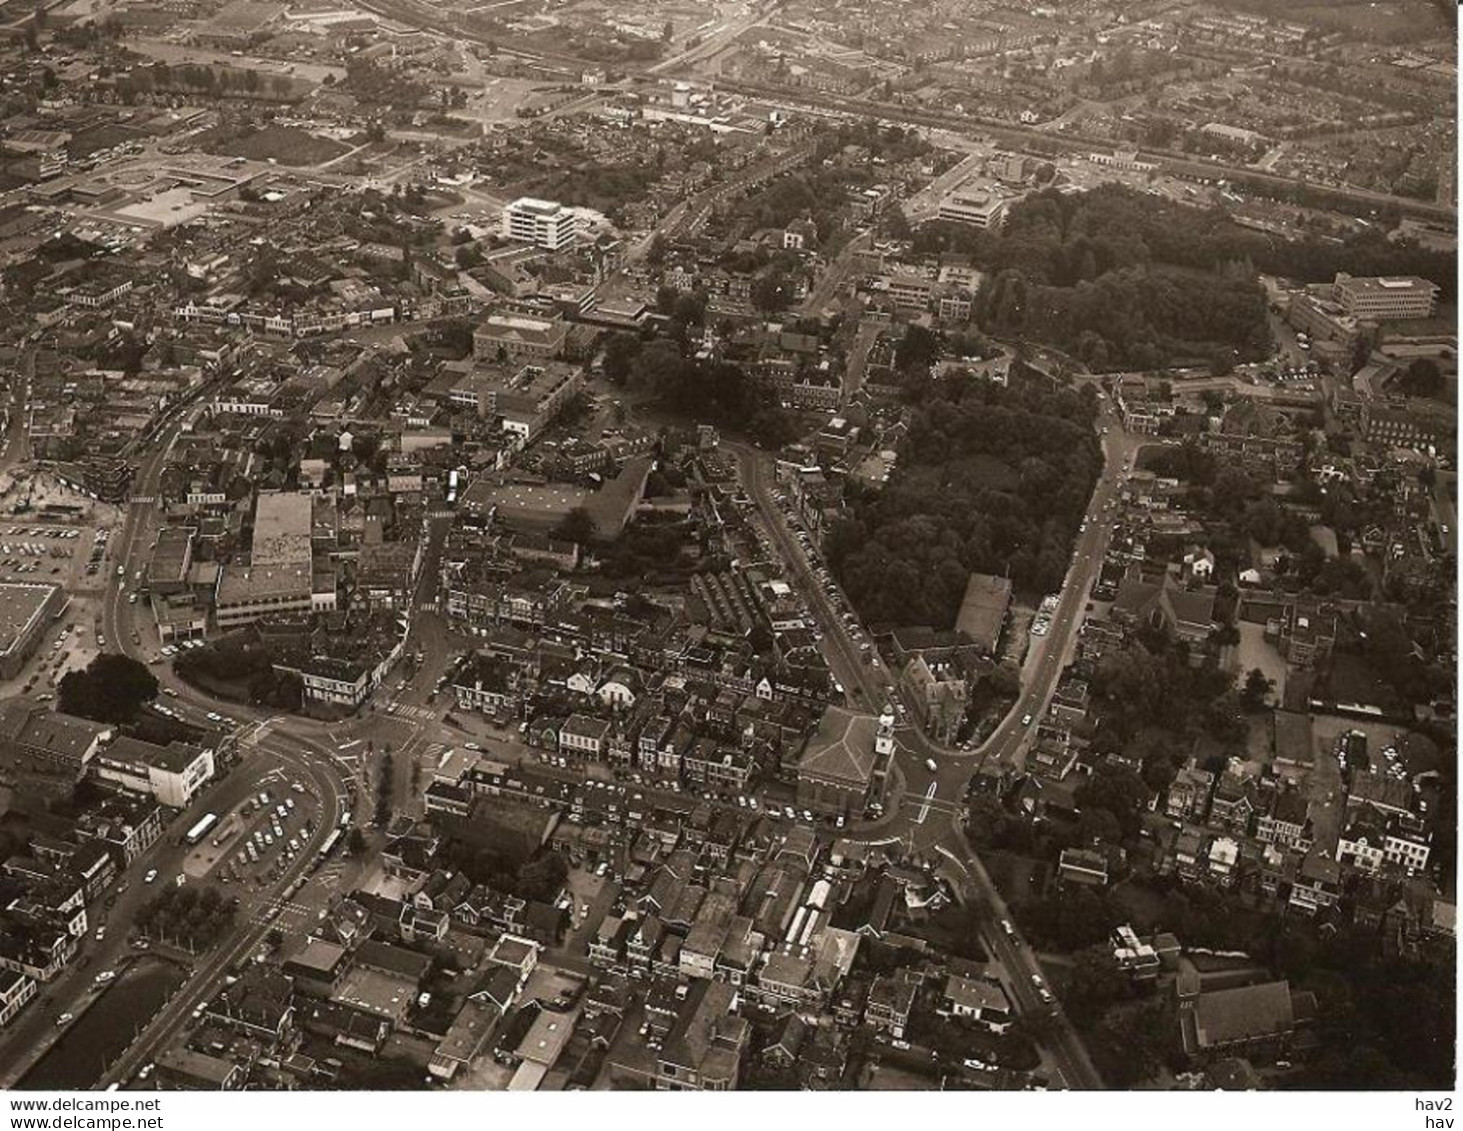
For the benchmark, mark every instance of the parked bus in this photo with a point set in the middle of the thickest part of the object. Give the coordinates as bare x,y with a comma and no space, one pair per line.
330,842
200,830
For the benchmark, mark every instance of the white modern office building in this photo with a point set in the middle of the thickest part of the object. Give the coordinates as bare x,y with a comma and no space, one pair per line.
544,223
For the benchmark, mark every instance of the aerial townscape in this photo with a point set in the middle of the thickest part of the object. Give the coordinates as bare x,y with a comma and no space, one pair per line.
709,545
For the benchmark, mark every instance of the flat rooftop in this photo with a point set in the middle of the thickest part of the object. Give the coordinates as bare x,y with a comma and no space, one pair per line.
241,584
169,559
20,605
281,530
534,204
375,991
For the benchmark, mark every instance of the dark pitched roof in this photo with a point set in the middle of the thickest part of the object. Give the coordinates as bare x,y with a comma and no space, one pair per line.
1243,1013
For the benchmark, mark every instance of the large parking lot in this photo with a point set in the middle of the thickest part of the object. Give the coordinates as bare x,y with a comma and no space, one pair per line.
255,841
43,553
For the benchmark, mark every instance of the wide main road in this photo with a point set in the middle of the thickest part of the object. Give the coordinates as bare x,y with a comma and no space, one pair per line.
860,681
270,744
945,788
927,821
1015,134
716,42
306,759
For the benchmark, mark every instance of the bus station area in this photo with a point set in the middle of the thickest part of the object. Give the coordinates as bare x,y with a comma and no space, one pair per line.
251,844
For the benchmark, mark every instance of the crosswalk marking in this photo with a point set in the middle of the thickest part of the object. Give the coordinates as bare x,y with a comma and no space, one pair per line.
284,907
411,711
257,735
351,763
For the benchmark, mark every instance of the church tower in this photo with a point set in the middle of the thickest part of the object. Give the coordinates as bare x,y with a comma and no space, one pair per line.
884,740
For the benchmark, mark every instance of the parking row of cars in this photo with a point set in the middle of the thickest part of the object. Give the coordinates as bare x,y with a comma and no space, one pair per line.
270,837
98,550
39,532
171,650
1042,624
825,581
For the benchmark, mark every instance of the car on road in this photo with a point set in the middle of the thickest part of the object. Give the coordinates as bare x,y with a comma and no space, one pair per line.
101,933
1009,930
1036,981
151,875
1046,996
932,765
1026,719
64,1020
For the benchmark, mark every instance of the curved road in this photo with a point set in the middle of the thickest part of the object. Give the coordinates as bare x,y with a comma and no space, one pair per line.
270,745
927,818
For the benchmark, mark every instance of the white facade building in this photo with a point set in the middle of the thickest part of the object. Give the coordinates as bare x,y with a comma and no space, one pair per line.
544,223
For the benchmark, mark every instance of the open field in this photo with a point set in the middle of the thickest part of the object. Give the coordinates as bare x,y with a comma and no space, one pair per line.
283,144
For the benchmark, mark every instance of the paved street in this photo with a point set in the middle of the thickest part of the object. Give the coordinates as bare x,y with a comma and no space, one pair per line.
271,748
835,276
927,818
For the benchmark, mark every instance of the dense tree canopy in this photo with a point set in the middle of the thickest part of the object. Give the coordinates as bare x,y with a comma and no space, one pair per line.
705,391
110,689
1051,235
1128,280
187,916
990,480
1153,704
1136,317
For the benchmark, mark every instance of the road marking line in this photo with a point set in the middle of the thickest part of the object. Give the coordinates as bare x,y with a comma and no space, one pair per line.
924,809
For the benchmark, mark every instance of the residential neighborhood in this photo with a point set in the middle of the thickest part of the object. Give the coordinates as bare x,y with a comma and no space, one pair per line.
728,546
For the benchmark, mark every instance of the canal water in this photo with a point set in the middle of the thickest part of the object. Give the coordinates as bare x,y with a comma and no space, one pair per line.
98,1036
